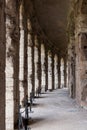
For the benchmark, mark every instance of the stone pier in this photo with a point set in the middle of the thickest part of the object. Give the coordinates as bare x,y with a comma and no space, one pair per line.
2,66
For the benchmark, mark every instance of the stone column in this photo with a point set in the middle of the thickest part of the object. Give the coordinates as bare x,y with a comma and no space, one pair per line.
29,57
72,68
59,72
62,72
49,70
69,69
46,68
39,64
43,66
81,68
81,55
36,65
2,65
33,66
53,76
21,56
25,56
12,62
56,71
65,72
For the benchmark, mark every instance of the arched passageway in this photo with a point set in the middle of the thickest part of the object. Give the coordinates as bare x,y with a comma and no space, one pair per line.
43,49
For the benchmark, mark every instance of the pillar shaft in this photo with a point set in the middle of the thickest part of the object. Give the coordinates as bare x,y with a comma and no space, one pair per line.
29,58
43,66
25,57
65,73
33,67
49,70
59,72
21,56
72,68
62,72
36,56
56,71
53,76
12,56
46,68
39,64
2,65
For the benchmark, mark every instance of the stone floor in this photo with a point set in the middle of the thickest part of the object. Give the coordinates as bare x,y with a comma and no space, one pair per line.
56,111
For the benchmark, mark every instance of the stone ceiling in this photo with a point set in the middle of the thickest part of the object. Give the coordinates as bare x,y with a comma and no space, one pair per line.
52,16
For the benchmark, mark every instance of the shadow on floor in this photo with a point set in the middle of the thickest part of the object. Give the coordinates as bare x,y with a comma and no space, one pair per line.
40,97
36,120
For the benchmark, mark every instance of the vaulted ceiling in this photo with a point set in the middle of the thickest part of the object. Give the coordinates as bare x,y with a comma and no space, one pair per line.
52,16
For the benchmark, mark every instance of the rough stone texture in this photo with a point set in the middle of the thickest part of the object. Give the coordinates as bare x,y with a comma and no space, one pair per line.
2,65
41,60
65,72
49,70
81,72
33,67
62,72
39,64
53,76
81,54
84,94
21,55
56,71
36,54
59,72
25,82
29,58
43,66
72,68
78,54
46,68
12,49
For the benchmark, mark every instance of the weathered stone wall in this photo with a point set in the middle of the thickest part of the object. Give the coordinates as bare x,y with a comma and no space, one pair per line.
71,68
77,51
81,51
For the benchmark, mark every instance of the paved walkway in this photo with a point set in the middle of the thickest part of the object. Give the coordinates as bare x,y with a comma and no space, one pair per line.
56,111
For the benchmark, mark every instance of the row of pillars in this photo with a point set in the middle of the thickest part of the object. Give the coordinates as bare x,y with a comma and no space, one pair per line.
26,64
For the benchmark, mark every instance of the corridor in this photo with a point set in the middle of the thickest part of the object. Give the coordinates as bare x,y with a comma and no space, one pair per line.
43,51
57,111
